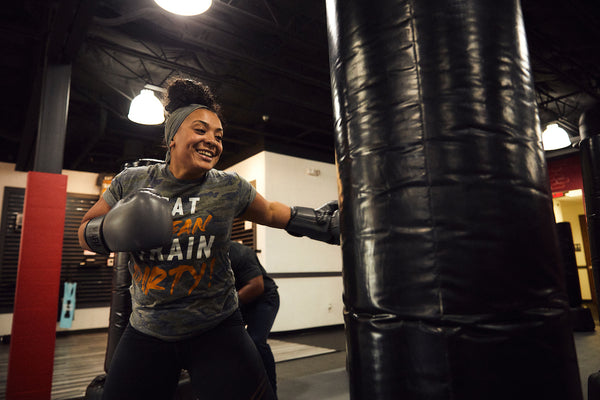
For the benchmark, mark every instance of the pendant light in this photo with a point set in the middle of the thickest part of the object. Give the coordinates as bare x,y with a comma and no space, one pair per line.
555,137
146,109
185,7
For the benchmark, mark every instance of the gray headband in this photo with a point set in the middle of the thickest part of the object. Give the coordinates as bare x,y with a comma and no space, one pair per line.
174,122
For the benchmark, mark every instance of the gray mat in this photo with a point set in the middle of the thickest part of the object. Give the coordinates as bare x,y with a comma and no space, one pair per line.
330,385
284,351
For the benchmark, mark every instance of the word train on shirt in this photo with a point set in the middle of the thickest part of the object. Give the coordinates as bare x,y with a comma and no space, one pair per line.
194,249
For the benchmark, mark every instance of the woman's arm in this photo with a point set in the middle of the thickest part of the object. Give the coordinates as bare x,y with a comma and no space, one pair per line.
100,208
269,213
319,224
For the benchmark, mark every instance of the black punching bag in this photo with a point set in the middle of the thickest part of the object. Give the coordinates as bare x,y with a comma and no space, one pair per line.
452,282
581,317
589,148
569,263
589,132
120,305
120,310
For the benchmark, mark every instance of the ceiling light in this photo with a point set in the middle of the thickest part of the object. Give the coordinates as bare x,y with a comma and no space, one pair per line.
555,137
185,7
146,109
574,193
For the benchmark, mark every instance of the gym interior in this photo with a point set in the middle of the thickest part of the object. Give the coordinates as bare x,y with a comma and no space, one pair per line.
468,265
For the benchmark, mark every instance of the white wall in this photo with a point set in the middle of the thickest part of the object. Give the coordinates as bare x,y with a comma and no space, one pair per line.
253,169
305,302
287,181
77,182
309,302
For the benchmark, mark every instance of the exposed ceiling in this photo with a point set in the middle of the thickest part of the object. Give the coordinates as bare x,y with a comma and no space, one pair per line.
267,60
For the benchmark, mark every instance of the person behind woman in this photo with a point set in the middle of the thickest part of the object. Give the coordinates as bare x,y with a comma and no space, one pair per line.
175,218
259,302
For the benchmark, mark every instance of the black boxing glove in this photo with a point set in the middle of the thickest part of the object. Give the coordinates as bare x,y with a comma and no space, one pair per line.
141,221
321,224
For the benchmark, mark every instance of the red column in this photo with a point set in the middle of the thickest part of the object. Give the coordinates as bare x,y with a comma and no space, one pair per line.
33,335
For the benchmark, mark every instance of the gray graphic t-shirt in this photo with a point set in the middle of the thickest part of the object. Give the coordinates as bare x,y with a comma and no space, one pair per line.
187,288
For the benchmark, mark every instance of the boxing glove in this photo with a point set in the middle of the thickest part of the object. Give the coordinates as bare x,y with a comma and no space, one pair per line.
141,221
321,224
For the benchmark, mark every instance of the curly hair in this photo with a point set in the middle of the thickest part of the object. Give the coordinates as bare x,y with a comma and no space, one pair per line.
182,92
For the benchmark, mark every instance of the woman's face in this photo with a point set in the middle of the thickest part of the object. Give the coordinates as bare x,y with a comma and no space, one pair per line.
197,145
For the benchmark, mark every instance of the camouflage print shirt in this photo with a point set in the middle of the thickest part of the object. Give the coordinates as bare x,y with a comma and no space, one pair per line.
188,288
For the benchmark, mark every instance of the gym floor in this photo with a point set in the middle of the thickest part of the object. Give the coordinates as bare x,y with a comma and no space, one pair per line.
79,358
316,377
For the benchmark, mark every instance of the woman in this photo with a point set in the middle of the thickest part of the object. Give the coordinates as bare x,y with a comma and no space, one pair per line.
184,303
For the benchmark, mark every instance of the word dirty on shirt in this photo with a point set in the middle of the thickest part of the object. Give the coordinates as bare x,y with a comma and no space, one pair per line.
152,278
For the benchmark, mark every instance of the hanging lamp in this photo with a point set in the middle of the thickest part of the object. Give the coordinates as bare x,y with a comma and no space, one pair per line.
146,109
185,7
555,137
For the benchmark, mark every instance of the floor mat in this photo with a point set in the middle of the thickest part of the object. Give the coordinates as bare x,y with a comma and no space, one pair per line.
330,385
285,351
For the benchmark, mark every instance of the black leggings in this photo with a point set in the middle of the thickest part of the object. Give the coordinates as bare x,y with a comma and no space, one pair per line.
222,363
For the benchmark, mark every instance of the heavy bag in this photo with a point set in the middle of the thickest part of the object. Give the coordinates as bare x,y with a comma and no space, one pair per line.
569,263
452,288
120,305
581,317
589,150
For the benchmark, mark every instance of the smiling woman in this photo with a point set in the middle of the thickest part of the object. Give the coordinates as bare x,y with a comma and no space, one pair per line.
194,132
184,304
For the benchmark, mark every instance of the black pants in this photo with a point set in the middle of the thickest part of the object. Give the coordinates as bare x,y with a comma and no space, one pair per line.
259,317
222,363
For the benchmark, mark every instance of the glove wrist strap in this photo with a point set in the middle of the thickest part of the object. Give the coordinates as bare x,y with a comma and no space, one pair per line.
93,236
303,222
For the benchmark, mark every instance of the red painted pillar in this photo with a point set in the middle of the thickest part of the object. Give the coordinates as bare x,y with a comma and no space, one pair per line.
33,335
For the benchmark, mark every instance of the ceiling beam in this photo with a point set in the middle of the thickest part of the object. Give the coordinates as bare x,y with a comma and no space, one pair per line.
209,77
